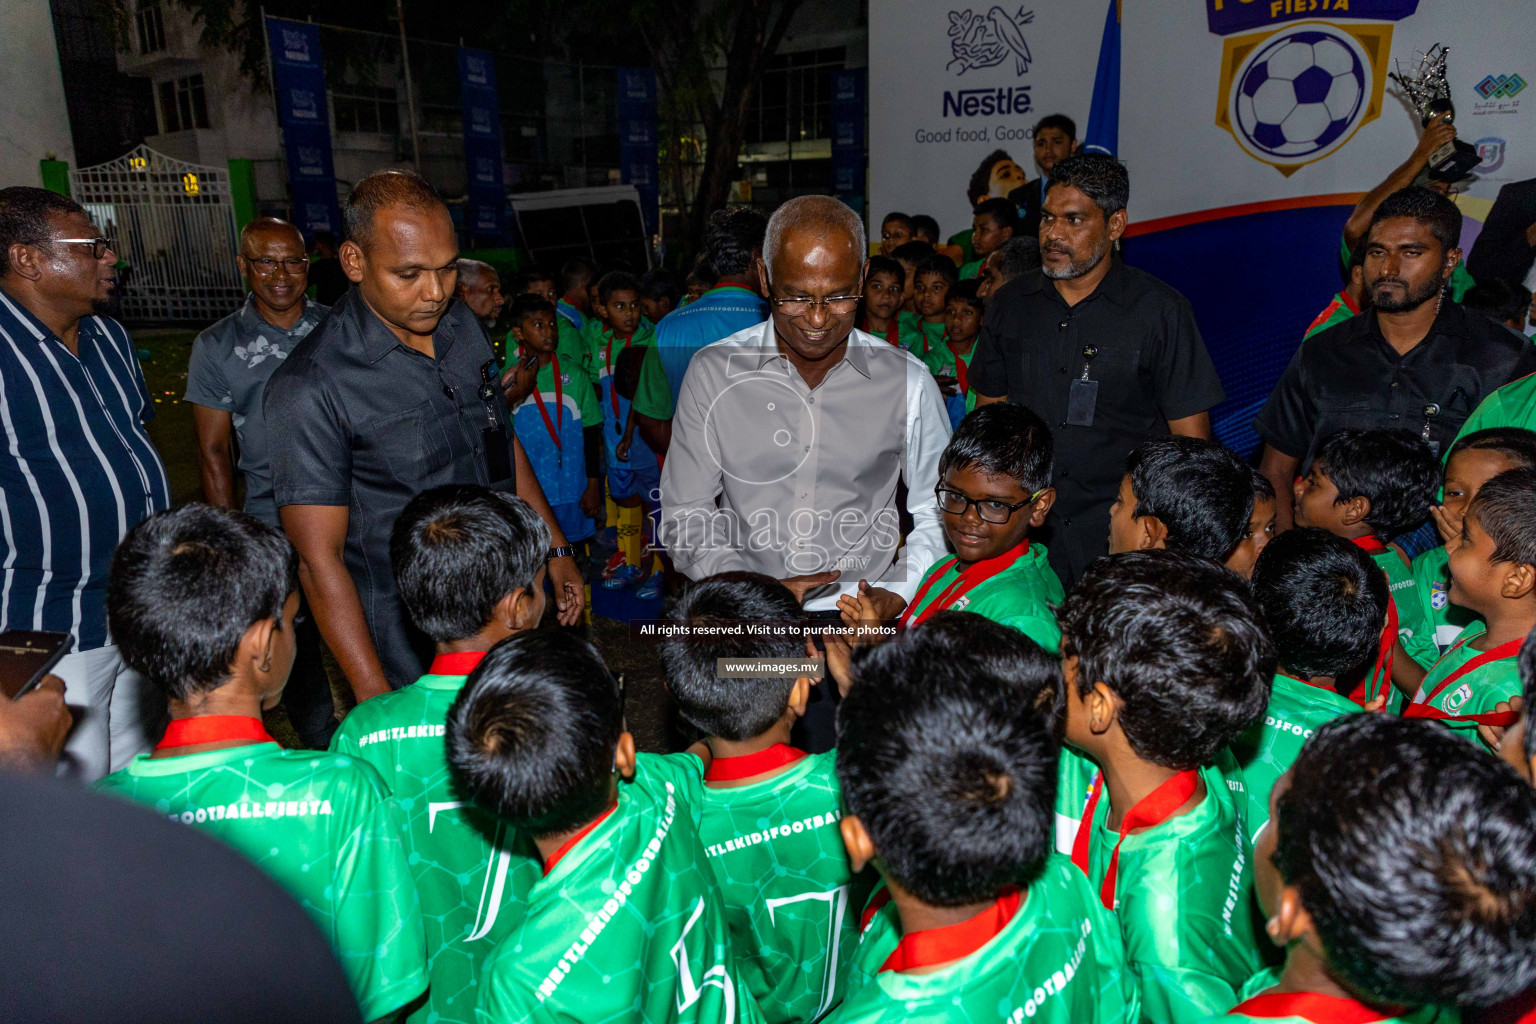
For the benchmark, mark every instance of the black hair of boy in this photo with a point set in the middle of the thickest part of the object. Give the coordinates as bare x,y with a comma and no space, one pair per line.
657,285
1426,206
732,709
1413,854
733,238
1527,666
526,306
1514,443
1100,177
1181,640
1061,122
897,217
703,272
915,253
1002,211
937,263
944,759
1505,507
532,734
922,224
967,291
1200,490
1263,490
1396,470
1324,600
1002,439
576,274
526,279
1499,301
887,265
186,584
616,281
1016,257
457,550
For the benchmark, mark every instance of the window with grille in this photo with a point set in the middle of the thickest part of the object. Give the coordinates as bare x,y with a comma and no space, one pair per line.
366,108
794,97
183,104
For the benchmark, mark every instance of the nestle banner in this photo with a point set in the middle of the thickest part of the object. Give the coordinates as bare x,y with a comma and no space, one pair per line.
298,83
954,94
848,163
485,194
639,152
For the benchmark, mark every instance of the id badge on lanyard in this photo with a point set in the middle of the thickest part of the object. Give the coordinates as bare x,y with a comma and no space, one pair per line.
1083,394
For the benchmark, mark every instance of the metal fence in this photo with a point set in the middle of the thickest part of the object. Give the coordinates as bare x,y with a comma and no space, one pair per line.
174,227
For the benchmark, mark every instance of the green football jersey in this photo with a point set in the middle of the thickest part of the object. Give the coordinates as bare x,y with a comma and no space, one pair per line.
1473,693
323,826
1432,585
1074,781
1315,1009
1059,961
791,899
1268,748
1413,628
971,269
1021,596
629,925
1513,405
572,346
920,336
1184,897
470,869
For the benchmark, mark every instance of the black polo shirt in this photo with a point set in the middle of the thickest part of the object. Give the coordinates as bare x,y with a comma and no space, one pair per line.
357,418
1348,376
1151,367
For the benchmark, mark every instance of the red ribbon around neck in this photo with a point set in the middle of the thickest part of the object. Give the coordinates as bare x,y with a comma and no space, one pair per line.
1153,809
969,579
570,843
1421,709
191,732
933,946
461,664
731,769
1314,1007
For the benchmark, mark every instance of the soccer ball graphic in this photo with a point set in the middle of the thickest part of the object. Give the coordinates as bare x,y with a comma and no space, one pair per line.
1300,94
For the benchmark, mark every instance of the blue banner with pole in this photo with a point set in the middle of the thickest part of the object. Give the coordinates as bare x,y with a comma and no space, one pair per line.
848,152
485,191
298,85
638,148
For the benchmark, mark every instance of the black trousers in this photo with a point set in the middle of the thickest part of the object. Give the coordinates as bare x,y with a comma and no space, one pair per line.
307,697
816,732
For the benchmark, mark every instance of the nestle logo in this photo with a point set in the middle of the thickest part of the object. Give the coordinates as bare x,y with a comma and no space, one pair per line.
987,102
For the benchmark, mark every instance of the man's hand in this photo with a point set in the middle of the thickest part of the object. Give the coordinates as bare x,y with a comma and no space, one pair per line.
798,585
1439,132
570,593
517,383
591,499
33,728
838,660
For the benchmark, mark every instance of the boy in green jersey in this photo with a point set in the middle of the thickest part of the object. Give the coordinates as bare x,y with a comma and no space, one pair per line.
992,225
922,330
770,812
470,566
1182,493
1395,873
1324,601
1513,405
1368,486
627,922
1166,663
1493,575
885,281
1473,460
909,255
947,757
1260,531
950,362
201,600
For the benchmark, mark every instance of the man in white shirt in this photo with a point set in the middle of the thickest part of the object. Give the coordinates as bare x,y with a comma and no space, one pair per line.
790,437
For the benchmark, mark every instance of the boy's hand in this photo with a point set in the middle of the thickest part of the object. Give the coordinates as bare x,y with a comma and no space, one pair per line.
947,385
1493,735
517,383
591,499
871,606
1447,523
838,660
887,604
622,449
1378,704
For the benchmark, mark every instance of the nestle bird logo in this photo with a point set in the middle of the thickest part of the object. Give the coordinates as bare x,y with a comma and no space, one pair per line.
985,41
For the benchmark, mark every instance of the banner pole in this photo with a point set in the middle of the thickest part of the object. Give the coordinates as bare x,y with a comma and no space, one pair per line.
410,93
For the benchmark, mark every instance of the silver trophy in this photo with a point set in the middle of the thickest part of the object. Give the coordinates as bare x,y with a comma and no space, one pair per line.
1429,92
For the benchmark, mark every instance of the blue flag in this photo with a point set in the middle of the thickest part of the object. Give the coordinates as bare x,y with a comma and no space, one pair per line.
1103,133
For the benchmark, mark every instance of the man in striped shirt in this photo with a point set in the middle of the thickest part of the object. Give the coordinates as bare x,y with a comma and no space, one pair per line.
78,469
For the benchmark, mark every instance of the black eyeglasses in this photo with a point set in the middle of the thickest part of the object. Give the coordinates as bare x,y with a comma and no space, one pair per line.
990,510
99,246
266,265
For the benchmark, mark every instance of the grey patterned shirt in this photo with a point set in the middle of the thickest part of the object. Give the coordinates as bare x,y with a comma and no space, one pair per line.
231,362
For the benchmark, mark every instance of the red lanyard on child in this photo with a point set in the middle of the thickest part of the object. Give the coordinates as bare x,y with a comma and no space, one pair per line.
969,579
962,373
1383,667
1421,709
613,382
538,398
191,732
730,769
892,329
566,846
461,664
1152,809
1314,1007
933,946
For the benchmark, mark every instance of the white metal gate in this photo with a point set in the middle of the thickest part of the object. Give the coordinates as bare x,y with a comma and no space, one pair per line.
174,224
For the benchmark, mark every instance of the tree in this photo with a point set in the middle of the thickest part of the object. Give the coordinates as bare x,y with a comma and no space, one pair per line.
685,38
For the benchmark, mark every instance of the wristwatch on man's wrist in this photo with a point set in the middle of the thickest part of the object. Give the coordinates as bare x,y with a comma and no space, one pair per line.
563,551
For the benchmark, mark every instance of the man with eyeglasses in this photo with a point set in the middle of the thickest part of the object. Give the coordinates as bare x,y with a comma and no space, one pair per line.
78,470
226,379
790,438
